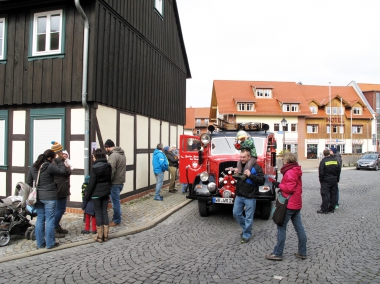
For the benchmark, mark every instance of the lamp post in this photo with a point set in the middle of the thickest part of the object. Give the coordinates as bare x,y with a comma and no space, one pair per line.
283,123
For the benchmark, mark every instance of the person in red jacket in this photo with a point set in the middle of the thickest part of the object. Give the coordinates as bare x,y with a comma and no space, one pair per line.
291,184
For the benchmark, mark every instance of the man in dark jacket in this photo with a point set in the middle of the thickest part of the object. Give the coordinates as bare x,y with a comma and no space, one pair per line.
334,153
247,190
173,166
329,174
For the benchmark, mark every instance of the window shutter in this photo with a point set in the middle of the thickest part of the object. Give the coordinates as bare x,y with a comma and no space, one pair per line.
45,131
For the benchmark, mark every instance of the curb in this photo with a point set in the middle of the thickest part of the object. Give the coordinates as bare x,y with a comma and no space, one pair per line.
316,169
131,231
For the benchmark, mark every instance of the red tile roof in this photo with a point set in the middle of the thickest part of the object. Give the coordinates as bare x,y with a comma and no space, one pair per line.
202,112
369,87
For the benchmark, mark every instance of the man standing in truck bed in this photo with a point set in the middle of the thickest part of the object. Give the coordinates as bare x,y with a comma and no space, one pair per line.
247,190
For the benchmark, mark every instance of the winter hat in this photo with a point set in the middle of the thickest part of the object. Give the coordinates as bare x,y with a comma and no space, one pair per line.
109,143
241,134
65,152
334,150
56,148
166,148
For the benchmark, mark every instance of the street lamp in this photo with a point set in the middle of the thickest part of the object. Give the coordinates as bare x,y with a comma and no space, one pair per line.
283,123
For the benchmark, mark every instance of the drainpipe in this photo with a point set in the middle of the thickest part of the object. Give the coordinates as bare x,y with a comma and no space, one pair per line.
84,89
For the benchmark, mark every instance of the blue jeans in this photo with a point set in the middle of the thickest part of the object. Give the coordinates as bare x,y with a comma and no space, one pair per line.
245,222
184,187
295,216
115,199
159,181
44,228
60,209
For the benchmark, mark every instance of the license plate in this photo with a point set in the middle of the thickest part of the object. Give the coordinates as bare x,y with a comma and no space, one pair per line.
222,200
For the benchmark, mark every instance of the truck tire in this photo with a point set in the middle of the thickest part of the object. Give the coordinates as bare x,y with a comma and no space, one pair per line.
265,210
203,208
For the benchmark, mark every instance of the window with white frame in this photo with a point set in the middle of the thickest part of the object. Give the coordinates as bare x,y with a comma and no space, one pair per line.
357,110
198,121
357,129
2,38
335,129
241,106
245,106
290,107
293,127
328,109
47,33
313,109
341,129
264,93
46,125
249,106
312,128
276,127
207,121
159,6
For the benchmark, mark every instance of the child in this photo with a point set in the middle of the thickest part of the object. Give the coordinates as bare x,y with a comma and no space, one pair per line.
88,208
244,141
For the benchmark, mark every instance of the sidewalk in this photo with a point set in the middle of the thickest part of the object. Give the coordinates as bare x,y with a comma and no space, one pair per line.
137,215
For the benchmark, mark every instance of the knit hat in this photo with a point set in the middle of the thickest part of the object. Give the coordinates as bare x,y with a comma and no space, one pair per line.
109,143
166,148
334,150
56,147
241,134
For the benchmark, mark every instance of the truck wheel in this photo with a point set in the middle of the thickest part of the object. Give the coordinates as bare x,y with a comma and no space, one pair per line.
203,208
265,210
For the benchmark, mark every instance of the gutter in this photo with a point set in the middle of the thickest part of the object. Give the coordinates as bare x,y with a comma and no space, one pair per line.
84,88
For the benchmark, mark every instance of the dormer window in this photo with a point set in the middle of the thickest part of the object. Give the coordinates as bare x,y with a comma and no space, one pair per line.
245,106
335,110
263,93
314,109
290,107
357,110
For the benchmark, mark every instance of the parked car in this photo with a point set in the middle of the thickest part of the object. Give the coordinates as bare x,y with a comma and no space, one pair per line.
369,161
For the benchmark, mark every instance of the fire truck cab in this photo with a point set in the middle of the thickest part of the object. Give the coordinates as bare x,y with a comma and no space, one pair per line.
207,162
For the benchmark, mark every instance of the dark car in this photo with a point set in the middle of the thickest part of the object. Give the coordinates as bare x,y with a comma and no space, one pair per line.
368,161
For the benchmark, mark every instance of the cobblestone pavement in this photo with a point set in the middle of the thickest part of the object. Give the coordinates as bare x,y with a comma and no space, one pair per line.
186,248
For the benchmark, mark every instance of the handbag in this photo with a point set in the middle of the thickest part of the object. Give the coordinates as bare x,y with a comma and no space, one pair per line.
32,197
280,208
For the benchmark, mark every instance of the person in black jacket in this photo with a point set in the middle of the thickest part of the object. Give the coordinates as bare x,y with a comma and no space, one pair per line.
247,190
334,152
99,189
329,174
173,166
46,196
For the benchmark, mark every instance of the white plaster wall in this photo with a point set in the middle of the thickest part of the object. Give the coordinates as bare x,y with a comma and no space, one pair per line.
142,132
188,132
16,177
18,153
76,182
128,185
165,133
19,122
107,122
173,136
77,121
142,162
127,126
76,154
3,181
154,133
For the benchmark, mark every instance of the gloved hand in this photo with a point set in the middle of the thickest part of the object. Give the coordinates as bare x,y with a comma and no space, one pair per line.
276,184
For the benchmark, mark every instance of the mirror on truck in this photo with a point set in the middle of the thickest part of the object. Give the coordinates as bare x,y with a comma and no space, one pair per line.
274,159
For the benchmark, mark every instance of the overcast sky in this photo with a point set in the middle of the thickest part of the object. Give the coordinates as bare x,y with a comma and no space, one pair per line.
312,41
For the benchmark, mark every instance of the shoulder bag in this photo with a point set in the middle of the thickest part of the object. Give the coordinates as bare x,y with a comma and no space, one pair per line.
32,197
280,208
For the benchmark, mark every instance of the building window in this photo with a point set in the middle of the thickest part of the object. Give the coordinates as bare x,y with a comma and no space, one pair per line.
47,33
378,103
357,129
314,109
290,107
207,121
293,127
159,6
2,38
334,129
357,110
46,125
198,121
3,139
312,128
241,106
198,131
285,128
264,93
328,110
249,107
245,106
276,127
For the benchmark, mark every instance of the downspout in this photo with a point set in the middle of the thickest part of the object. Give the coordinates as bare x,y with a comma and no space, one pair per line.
84,88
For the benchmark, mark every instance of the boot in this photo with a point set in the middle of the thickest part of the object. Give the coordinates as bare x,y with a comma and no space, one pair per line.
99,236
105,232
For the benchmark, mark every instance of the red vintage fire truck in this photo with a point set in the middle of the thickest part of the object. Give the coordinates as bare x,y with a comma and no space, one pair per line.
206,164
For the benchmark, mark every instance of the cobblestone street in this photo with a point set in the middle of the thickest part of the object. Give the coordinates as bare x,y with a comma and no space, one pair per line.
186,248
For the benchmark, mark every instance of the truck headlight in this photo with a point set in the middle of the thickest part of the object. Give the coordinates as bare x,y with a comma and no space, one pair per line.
205,138
211,186
204,176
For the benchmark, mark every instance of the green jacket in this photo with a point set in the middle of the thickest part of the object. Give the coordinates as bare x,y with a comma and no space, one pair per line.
118,163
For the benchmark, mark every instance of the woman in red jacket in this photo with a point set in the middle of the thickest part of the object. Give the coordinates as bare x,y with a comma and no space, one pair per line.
291,184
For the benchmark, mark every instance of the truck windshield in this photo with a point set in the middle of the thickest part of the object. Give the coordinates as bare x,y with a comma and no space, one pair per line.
225,145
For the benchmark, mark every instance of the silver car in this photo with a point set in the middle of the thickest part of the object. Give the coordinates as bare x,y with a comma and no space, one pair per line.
368,161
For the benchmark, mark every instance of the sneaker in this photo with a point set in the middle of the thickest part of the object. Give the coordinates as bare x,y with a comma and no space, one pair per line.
54,246
113,224
85,232
273,257
296,254
172,191
244,240
94,232
159,198
61,230
322,212
58,235
336,207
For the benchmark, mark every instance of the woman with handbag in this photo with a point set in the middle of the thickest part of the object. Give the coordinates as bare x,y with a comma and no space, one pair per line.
98,190
291,184
42,172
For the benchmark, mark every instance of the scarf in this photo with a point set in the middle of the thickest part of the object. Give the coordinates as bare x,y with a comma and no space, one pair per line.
288,166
